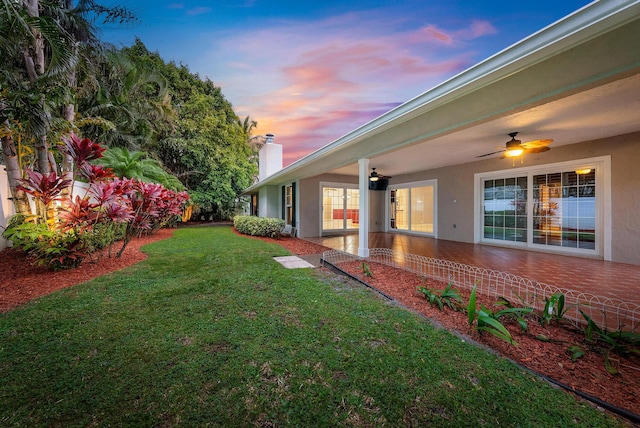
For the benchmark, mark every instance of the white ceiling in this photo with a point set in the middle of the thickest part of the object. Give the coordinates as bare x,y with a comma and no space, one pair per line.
604,111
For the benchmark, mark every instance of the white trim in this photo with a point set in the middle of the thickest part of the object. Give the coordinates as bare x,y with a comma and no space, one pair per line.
363,214
602,165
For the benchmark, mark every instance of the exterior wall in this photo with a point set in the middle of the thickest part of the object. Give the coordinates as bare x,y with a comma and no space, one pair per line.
456,190
269,199
6,207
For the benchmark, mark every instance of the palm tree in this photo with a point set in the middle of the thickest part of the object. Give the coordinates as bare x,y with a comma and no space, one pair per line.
126,104
26,77
136,165
39,47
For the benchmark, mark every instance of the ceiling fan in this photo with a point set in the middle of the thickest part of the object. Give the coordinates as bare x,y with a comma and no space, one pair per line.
375,176
514,148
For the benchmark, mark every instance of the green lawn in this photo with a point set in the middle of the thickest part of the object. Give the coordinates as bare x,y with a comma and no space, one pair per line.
211,331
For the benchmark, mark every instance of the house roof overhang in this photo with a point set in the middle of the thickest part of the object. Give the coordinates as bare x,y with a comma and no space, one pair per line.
575,80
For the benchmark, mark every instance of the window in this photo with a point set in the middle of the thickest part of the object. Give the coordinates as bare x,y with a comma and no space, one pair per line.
412,207
557,206
505,209
288,205
564,209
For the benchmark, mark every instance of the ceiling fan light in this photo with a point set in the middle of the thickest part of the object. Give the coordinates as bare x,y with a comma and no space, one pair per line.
582,171
513,153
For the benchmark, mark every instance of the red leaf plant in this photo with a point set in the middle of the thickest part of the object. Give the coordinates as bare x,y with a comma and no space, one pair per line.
45,188
143,207
81,150
79,214
95,173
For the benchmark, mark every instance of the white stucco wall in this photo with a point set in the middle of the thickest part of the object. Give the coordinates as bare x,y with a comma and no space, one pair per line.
269,201
6,207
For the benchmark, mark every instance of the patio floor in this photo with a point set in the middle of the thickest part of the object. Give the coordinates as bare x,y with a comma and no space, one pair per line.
607,279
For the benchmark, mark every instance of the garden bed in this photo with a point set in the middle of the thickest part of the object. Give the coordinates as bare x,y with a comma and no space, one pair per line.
587,374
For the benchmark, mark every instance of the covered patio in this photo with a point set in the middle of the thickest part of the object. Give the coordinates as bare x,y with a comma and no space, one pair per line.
598,277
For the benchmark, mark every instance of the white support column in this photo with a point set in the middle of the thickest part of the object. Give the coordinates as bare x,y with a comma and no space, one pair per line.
363,230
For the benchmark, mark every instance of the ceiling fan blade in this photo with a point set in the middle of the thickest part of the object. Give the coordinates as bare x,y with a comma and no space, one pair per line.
536,144
492,153
538,149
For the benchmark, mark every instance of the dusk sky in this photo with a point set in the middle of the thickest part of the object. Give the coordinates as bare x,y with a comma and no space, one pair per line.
309,72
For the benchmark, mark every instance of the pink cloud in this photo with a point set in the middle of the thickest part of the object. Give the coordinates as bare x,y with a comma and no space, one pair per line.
311,82
432,32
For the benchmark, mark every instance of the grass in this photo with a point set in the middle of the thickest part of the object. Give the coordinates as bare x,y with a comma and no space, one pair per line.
211,331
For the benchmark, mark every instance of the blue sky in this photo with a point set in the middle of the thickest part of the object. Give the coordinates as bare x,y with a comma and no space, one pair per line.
309,72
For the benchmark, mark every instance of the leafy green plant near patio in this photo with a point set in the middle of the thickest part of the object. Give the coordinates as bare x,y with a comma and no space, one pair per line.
619,342
366,270
488,321
449,297
554,309
209,330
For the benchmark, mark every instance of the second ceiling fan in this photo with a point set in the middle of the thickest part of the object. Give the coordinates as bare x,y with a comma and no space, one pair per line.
514,148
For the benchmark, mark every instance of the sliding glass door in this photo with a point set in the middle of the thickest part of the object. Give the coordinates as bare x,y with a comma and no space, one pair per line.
555,206
412,207
340,208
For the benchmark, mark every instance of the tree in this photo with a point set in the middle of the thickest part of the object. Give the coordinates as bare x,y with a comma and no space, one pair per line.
126,104
207,145
39,43
29,84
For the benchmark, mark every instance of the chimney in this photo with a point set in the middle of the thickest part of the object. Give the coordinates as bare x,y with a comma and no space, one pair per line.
269,158
269,138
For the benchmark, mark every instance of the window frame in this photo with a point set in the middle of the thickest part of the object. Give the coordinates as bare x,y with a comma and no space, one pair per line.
409,186
343,187
603,209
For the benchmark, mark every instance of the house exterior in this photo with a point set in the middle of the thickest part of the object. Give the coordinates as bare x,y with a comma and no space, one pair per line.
576,82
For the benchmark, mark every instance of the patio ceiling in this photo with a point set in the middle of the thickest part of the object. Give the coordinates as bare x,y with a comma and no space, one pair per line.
608,110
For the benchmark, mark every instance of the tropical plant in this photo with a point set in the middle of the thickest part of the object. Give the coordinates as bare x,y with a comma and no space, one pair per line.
88,223
39,47
554,308
127,103
366,270
448,296
486,320
511,311
48,247
135,164
620,342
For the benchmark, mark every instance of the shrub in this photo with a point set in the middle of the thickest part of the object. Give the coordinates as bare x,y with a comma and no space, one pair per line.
49,248
258,226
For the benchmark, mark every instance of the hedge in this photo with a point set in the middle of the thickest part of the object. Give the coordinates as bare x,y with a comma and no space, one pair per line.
258,226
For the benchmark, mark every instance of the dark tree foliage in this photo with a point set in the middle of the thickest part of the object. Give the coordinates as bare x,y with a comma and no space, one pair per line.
206,147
